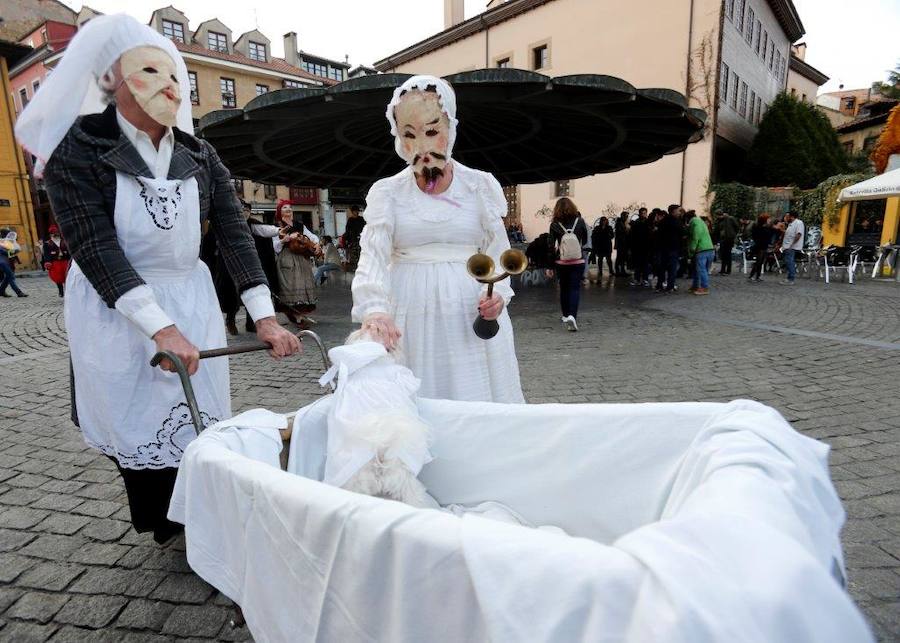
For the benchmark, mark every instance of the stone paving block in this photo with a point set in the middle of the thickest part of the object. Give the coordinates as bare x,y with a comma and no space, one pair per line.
877,583
183,588
62,486
98,508
145,615
6,474
98,475
12,565
108,530
136,557
98,554
8,596
37,606
195,620
888,503
19,632
63,523
27,481
100,491
21,517
63,471
865,555
72,634
50,576
91,611
52,546
11,540
20,497
58,502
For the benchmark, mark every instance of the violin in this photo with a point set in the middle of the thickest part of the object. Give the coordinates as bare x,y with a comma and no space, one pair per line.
299,245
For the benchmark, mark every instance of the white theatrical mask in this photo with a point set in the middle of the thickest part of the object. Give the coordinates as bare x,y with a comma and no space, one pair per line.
150,74
424,132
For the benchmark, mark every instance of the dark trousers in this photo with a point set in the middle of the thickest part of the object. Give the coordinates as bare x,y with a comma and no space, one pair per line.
8,277
621,261
149,492
725,248
668,269
569,287
641,267
758,265
609,263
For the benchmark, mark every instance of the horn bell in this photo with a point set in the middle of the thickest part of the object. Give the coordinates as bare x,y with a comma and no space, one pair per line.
514,261
480,266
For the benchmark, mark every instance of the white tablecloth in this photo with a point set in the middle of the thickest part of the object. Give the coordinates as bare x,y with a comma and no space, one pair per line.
686,522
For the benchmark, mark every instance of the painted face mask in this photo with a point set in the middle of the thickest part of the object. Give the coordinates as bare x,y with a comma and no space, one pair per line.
149,73
423,131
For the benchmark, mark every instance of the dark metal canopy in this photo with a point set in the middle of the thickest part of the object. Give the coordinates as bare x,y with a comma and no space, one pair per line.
521,126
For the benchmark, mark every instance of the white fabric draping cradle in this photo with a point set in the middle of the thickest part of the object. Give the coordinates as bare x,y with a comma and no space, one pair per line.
686,523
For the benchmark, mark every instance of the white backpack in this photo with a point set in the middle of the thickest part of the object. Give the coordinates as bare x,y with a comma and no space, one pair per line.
570,244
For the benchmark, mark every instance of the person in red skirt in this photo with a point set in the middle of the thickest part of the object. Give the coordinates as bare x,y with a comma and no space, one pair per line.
56,259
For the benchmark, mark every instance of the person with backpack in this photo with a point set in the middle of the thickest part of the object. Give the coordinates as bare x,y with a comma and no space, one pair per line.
570,234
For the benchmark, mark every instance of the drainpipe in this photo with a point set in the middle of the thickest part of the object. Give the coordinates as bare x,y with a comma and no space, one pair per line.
487,42
687,93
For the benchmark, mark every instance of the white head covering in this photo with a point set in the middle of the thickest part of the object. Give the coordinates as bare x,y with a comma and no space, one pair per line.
447,99
72,89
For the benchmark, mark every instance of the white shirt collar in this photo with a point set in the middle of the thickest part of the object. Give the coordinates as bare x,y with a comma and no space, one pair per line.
157,159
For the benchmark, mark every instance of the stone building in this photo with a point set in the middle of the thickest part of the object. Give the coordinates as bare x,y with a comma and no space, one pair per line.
804,80
731,58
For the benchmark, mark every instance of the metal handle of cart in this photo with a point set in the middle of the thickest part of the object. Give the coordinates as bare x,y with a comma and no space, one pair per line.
221,352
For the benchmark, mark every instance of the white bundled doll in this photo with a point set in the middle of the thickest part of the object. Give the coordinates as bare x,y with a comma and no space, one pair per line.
377,442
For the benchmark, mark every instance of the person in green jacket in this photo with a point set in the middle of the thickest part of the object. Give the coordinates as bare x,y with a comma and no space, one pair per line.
700,247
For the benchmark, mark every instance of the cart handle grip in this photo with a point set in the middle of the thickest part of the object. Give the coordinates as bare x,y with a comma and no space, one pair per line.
221,352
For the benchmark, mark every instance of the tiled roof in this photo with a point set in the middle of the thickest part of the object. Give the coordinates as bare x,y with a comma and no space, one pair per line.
273,64
864,122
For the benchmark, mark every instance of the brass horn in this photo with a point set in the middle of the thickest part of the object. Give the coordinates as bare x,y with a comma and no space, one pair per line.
480,266
513,262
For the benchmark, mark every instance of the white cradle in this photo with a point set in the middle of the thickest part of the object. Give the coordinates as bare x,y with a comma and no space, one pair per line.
686,522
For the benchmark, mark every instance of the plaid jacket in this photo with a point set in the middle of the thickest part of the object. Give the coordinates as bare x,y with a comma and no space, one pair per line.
80,179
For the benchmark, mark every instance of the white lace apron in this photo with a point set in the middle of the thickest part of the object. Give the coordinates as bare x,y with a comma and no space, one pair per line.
127,409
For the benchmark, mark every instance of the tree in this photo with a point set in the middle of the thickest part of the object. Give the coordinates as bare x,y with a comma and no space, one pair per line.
890,89
795,145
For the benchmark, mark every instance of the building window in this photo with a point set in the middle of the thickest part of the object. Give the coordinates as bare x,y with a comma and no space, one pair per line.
771,54
316,69
541,57
849,103
804,98
734,90
217,41
195,94
742,108
228,97
729,9
238,187
869,143
723,83
257,51
36,85
765,45
751,25
562,188
292,84
752,116
758,110
173,30
758,35
848,147
503,63
335,73
23,95
261,89
269,191
739,16
511,192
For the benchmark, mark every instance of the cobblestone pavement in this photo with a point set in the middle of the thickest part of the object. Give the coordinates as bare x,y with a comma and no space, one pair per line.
72,569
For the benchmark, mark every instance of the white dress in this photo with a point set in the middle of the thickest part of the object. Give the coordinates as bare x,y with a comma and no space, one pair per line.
126,409
413,267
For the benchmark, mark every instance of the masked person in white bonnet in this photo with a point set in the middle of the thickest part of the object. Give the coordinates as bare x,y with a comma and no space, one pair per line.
423,223
130,186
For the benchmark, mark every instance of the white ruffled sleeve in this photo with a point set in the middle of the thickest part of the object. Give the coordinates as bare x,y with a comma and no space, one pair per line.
493,210
371,284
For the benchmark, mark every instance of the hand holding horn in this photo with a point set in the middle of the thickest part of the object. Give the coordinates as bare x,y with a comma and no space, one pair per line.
481,267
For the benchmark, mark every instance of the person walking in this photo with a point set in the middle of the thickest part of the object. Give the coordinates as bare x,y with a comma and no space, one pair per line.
55,258
621,239
352,235
791,244
726,230
761,234
601,244
570,233
700,247
9,248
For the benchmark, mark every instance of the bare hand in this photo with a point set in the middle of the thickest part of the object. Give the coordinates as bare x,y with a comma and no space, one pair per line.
491,308
170,339
382,328
283,342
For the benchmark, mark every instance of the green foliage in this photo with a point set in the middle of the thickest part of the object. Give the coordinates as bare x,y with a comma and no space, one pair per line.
796,145
736,199
890,89
820,205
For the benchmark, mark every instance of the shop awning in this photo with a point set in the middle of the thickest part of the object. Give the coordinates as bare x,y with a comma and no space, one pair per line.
521,126
878,187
